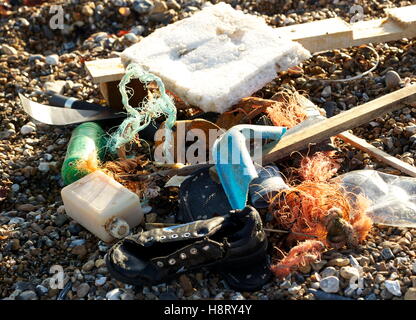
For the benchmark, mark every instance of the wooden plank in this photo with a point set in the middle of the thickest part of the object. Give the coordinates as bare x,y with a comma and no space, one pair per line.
380,155
379,30
320,35
105,70
405,16
344,121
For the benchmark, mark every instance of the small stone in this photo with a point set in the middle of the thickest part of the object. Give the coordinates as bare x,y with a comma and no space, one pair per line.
43,167
27,129
410,294
28,295
53,59
57,86
159,7
294,289
387,254
60,220
392,79
137,30
88,266
124,11
237,296
131,37
14,244
329,271
87,11
100,263
80,251
326,92
393,287
330,108
27,207
339,262
329,284
349,272
143,6
8,50
285,284
41,290
83,290
114,294
172,4
15,187
100,281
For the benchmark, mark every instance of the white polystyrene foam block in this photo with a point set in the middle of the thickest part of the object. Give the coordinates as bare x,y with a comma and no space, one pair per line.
216,57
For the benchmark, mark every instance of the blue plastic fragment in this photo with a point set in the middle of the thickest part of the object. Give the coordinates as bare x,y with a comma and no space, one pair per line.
233,162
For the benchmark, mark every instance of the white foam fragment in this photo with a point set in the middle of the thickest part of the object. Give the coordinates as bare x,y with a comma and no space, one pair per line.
216,57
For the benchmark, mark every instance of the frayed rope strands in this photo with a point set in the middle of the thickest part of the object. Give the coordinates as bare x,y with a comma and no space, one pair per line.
148,110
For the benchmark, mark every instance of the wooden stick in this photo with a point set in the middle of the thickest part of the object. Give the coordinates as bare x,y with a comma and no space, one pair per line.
378,154
344,121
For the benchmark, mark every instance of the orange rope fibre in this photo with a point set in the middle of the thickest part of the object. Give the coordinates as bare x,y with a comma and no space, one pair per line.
320,167
287,113
305,209
301,255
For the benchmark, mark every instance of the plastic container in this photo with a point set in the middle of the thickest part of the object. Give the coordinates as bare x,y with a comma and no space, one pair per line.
102,206
87,139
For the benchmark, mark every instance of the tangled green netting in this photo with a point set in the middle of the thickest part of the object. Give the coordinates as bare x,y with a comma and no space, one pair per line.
147,111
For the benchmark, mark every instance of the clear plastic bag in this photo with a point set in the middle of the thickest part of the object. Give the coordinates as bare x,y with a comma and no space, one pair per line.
393,198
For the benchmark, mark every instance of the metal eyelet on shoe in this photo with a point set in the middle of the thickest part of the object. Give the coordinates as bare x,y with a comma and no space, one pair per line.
174,236
182,256
160,264
186,235
193,251
162,237
205,248
172,262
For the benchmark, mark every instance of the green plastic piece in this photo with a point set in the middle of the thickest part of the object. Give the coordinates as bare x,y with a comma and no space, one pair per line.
86,139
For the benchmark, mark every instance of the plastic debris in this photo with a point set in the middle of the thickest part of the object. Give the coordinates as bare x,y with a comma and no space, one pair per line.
233,163
96,200
216,57
149,110
87,143
393,197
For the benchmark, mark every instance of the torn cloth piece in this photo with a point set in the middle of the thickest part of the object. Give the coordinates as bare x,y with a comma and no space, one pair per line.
149,110
232,159
216,57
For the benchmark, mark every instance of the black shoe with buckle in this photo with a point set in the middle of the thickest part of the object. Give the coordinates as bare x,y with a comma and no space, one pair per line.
234,244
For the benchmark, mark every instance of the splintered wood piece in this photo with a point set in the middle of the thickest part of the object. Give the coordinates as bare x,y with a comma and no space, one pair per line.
105,70
344,121
405,16
378,154
320,35
380,30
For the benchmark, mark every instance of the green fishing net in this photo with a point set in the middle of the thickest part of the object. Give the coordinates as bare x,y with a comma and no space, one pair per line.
147,111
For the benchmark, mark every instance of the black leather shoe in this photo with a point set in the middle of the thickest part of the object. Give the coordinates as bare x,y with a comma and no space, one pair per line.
234,243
